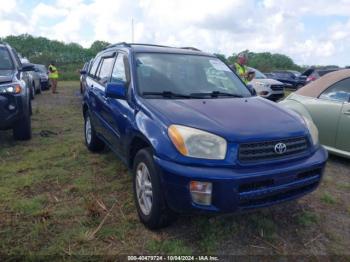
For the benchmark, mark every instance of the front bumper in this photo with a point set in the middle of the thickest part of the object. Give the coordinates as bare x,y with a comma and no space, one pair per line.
44,83
9,116
239,189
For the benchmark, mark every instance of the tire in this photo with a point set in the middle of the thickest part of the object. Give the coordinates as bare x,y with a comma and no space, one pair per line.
92,141
156,214
32,92
299,86
23,128
39,89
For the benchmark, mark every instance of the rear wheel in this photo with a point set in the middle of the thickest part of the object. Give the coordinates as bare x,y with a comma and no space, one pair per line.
150,203
92,141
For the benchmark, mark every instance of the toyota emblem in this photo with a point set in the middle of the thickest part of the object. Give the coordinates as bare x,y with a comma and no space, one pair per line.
280,148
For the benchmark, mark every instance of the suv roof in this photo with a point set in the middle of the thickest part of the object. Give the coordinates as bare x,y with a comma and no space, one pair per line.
139,47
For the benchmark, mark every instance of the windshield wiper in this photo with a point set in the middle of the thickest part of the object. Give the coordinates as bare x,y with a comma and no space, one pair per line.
167,94
215,94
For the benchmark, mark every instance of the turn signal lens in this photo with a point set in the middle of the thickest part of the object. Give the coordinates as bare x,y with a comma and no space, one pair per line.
18,89
201,192
177,139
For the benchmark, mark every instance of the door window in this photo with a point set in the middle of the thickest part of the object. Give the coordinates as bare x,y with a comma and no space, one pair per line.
118,74
339,92
105,70
94,66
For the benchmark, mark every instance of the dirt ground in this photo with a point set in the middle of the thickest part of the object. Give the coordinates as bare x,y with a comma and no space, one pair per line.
58,199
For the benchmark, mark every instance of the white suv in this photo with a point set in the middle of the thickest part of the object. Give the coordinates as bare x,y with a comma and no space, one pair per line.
266,87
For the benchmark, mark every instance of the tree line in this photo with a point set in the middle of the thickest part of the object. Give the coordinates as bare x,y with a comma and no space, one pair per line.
71,57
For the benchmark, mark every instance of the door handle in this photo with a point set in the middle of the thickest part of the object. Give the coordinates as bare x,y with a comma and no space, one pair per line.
347,113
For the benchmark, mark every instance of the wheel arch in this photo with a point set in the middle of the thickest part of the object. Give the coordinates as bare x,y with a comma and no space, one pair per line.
138,142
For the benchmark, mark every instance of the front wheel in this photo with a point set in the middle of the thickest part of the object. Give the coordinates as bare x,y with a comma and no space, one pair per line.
23,128
150,203
32,92
92,141
39,89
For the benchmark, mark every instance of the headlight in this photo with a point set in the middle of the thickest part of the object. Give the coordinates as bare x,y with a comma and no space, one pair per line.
263,84
10,89
197,143
312,129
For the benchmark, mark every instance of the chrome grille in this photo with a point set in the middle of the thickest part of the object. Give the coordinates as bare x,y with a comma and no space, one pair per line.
277,87
260,151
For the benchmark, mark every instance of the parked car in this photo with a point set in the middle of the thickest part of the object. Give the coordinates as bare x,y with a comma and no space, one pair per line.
83,74
293,79
42,71
268,88
270,75
34,79
15,102
194,137
326,102
313,74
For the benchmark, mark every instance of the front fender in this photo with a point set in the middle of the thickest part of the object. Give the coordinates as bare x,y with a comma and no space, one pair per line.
296,106
156,134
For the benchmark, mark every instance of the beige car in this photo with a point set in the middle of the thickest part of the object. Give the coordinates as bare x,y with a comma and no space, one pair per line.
326,102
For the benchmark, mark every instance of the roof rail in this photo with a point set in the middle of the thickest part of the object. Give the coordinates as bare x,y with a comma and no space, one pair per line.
150,45
117,44
131,44
191,48
141,44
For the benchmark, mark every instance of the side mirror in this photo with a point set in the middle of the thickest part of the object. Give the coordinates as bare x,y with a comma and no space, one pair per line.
83,72
251,90
116,90
27,67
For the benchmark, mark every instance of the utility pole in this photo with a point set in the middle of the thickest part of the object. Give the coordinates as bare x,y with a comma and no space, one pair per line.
132,30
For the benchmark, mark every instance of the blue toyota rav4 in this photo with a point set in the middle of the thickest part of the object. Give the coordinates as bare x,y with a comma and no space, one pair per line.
194,136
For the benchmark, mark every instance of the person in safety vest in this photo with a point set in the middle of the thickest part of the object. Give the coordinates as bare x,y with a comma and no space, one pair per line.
53,76
241,68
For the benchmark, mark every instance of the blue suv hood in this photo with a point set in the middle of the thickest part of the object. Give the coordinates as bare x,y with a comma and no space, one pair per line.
236,119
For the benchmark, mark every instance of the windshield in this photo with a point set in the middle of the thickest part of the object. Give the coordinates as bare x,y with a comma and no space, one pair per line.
41,68
296,73
258,74
186,75
5,59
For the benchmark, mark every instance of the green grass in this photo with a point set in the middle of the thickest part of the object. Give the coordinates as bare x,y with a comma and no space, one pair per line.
54,195
328,198
307,218
172,246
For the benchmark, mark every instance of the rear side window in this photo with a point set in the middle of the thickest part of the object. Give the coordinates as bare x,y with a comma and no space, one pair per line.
119,73
5,60
105,70
340,91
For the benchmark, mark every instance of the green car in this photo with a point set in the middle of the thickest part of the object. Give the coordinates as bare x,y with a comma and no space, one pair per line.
326,102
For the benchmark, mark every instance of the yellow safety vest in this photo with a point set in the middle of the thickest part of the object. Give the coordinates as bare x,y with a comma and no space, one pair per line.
53,73
241,71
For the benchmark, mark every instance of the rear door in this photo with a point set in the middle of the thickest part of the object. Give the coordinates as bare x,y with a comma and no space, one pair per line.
333,123
92,93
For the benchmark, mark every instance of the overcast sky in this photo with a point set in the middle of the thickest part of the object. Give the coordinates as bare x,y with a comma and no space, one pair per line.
310,32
